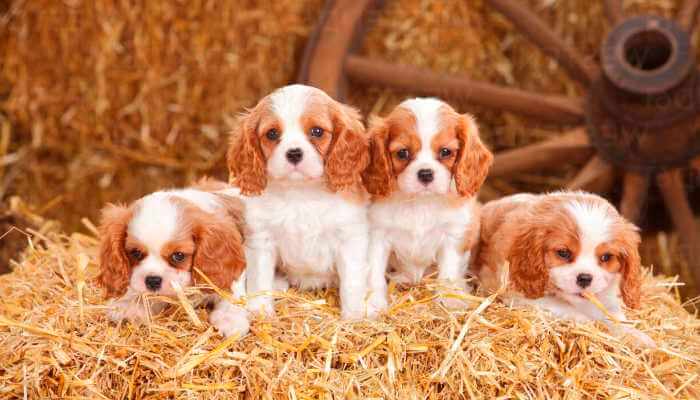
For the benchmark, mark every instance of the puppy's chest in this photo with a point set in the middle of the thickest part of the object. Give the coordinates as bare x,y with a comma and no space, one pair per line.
305,227
417,232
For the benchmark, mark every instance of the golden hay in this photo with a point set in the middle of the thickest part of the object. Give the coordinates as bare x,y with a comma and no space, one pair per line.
56,342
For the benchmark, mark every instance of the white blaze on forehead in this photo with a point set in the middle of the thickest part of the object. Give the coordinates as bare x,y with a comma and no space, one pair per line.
208,202
427,113
156,221
593,221
289,103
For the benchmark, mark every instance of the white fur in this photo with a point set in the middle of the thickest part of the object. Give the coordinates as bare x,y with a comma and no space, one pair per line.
428,124
156,222
417,227
315,237
289,104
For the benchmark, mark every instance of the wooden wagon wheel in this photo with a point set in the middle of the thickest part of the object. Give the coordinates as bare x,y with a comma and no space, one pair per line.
640,114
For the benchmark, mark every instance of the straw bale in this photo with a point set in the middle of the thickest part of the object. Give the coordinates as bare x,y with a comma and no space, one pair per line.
56,342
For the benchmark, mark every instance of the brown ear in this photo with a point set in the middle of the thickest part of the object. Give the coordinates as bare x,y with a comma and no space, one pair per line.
473,160
114,263
246,162
630,287
528,271
379,175
219,249
348,154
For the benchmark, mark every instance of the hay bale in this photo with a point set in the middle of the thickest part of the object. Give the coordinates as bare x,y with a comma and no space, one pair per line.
55,342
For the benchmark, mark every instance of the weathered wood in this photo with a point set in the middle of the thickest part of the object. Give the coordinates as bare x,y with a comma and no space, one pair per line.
688,14
418,80
537,30
673,191
635,189
596,176
613,10
569,147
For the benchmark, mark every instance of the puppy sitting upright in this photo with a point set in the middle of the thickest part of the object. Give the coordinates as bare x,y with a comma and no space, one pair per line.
297,157
561,247
427,165
154,245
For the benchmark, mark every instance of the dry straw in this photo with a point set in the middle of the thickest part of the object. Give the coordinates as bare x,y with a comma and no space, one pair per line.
55,342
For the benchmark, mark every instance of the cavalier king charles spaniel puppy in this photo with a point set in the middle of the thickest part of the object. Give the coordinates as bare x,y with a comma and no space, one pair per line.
427,165
561,248
154,245
297,158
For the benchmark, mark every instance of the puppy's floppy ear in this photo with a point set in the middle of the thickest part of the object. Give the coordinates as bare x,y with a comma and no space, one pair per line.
473,160
631,284
219,249
348,154
246,162
379,175
528,272
114,263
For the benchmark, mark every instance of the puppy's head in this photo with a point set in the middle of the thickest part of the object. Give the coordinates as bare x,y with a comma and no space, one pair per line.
424,147
298,133
568,243
158,241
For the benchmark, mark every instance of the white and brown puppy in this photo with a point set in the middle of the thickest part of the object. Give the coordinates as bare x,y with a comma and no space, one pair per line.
297,157
154,244
427,165
559,246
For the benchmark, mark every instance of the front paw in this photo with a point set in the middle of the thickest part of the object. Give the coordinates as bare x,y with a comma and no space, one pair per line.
376,304
230,321
127,310
264,305
454,298
640,338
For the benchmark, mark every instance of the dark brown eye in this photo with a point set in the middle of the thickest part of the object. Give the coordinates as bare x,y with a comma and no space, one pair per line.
606,257
403,154
316,132
272,134
177,257
564,254
136,254
445,152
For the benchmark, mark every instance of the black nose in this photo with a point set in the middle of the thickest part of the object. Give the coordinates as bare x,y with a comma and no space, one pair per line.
425,175
584,280
153,283
295,155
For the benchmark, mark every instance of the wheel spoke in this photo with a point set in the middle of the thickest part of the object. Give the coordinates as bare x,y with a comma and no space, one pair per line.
569,147
546,107
597,176
673,191
533,27
688,14
613,10
331,41
635,188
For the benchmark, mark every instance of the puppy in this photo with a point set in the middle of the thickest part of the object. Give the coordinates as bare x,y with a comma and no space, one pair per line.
154,244
297,157
427,165
559,246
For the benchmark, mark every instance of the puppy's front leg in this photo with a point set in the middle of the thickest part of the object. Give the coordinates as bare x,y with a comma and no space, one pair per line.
133,308
261,256
353,271
377,259
452,269
231,319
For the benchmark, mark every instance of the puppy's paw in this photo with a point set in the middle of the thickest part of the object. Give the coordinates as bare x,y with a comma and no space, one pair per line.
230,320
641,339
376,304
264,305
129,310
352,314
453,297
281,284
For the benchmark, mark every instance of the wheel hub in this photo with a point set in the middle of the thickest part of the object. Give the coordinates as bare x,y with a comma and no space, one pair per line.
643,112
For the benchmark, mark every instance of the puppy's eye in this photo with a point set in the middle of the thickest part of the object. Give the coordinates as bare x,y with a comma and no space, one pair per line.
564,254
403,154
445,152
177,257
136,254
606,257
272,134
316,132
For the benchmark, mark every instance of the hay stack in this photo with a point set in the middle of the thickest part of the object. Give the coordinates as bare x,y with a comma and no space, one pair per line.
55,342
